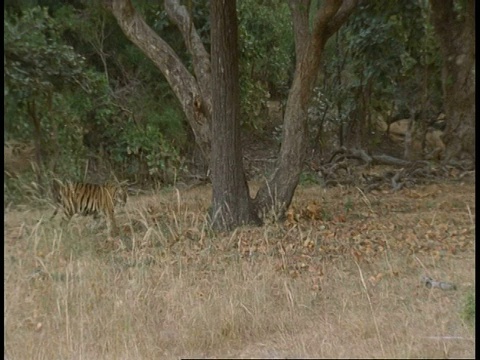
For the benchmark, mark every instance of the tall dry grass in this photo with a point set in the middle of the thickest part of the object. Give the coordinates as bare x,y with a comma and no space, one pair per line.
171,288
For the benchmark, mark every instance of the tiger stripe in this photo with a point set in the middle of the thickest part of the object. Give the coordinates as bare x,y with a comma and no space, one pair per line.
88,199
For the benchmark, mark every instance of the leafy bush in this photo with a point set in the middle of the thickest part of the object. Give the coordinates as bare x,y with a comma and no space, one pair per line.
266,56
47,88
375,63
52,95
36,60
147,155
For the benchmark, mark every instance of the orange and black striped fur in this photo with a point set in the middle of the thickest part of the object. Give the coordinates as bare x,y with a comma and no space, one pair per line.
88,199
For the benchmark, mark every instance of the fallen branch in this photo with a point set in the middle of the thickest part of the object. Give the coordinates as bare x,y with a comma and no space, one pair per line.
389,160
339,169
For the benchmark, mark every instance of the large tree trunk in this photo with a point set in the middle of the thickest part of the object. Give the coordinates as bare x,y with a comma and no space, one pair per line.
193,92
277,193
231,205
456,33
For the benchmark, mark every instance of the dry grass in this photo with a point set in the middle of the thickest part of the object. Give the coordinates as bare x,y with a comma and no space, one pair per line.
340,278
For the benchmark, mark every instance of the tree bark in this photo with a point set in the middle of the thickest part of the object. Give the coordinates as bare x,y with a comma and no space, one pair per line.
277,193
231,204
193,92
456,34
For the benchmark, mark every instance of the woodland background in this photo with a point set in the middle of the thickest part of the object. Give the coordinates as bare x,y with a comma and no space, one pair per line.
82,102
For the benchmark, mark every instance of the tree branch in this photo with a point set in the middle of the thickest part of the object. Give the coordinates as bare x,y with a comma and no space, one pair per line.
299,10
341,16
181,81
200,58
322,19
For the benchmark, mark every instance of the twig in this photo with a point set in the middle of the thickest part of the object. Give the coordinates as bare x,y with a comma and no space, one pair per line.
389,160
365,200
470,214
447,338
421,264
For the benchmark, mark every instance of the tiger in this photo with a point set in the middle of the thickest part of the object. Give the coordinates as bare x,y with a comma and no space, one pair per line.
88,199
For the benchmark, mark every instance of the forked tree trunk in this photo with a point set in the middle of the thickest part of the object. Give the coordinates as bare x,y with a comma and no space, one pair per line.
456,33
230,190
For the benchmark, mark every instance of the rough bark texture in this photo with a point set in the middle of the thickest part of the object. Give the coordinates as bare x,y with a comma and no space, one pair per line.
278,192
456,33
231,205
193,92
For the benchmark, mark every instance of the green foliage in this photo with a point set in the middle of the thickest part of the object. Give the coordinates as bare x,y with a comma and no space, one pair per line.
148,146
46,83
377,61
266,55
70,68
141,124
266,41
309,178
348,205
97,105
468,312
36,61
93,91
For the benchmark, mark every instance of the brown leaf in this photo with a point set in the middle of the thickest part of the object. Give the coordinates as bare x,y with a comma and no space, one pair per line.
313,211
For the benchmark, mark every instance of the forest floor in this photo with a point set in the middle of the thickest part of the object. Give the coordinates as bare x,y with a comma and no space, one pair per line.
340,277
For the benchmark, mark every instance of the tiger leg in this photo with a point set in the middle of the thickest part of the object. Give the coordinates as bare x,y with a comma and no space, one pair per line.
112,226
65,219
68,213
